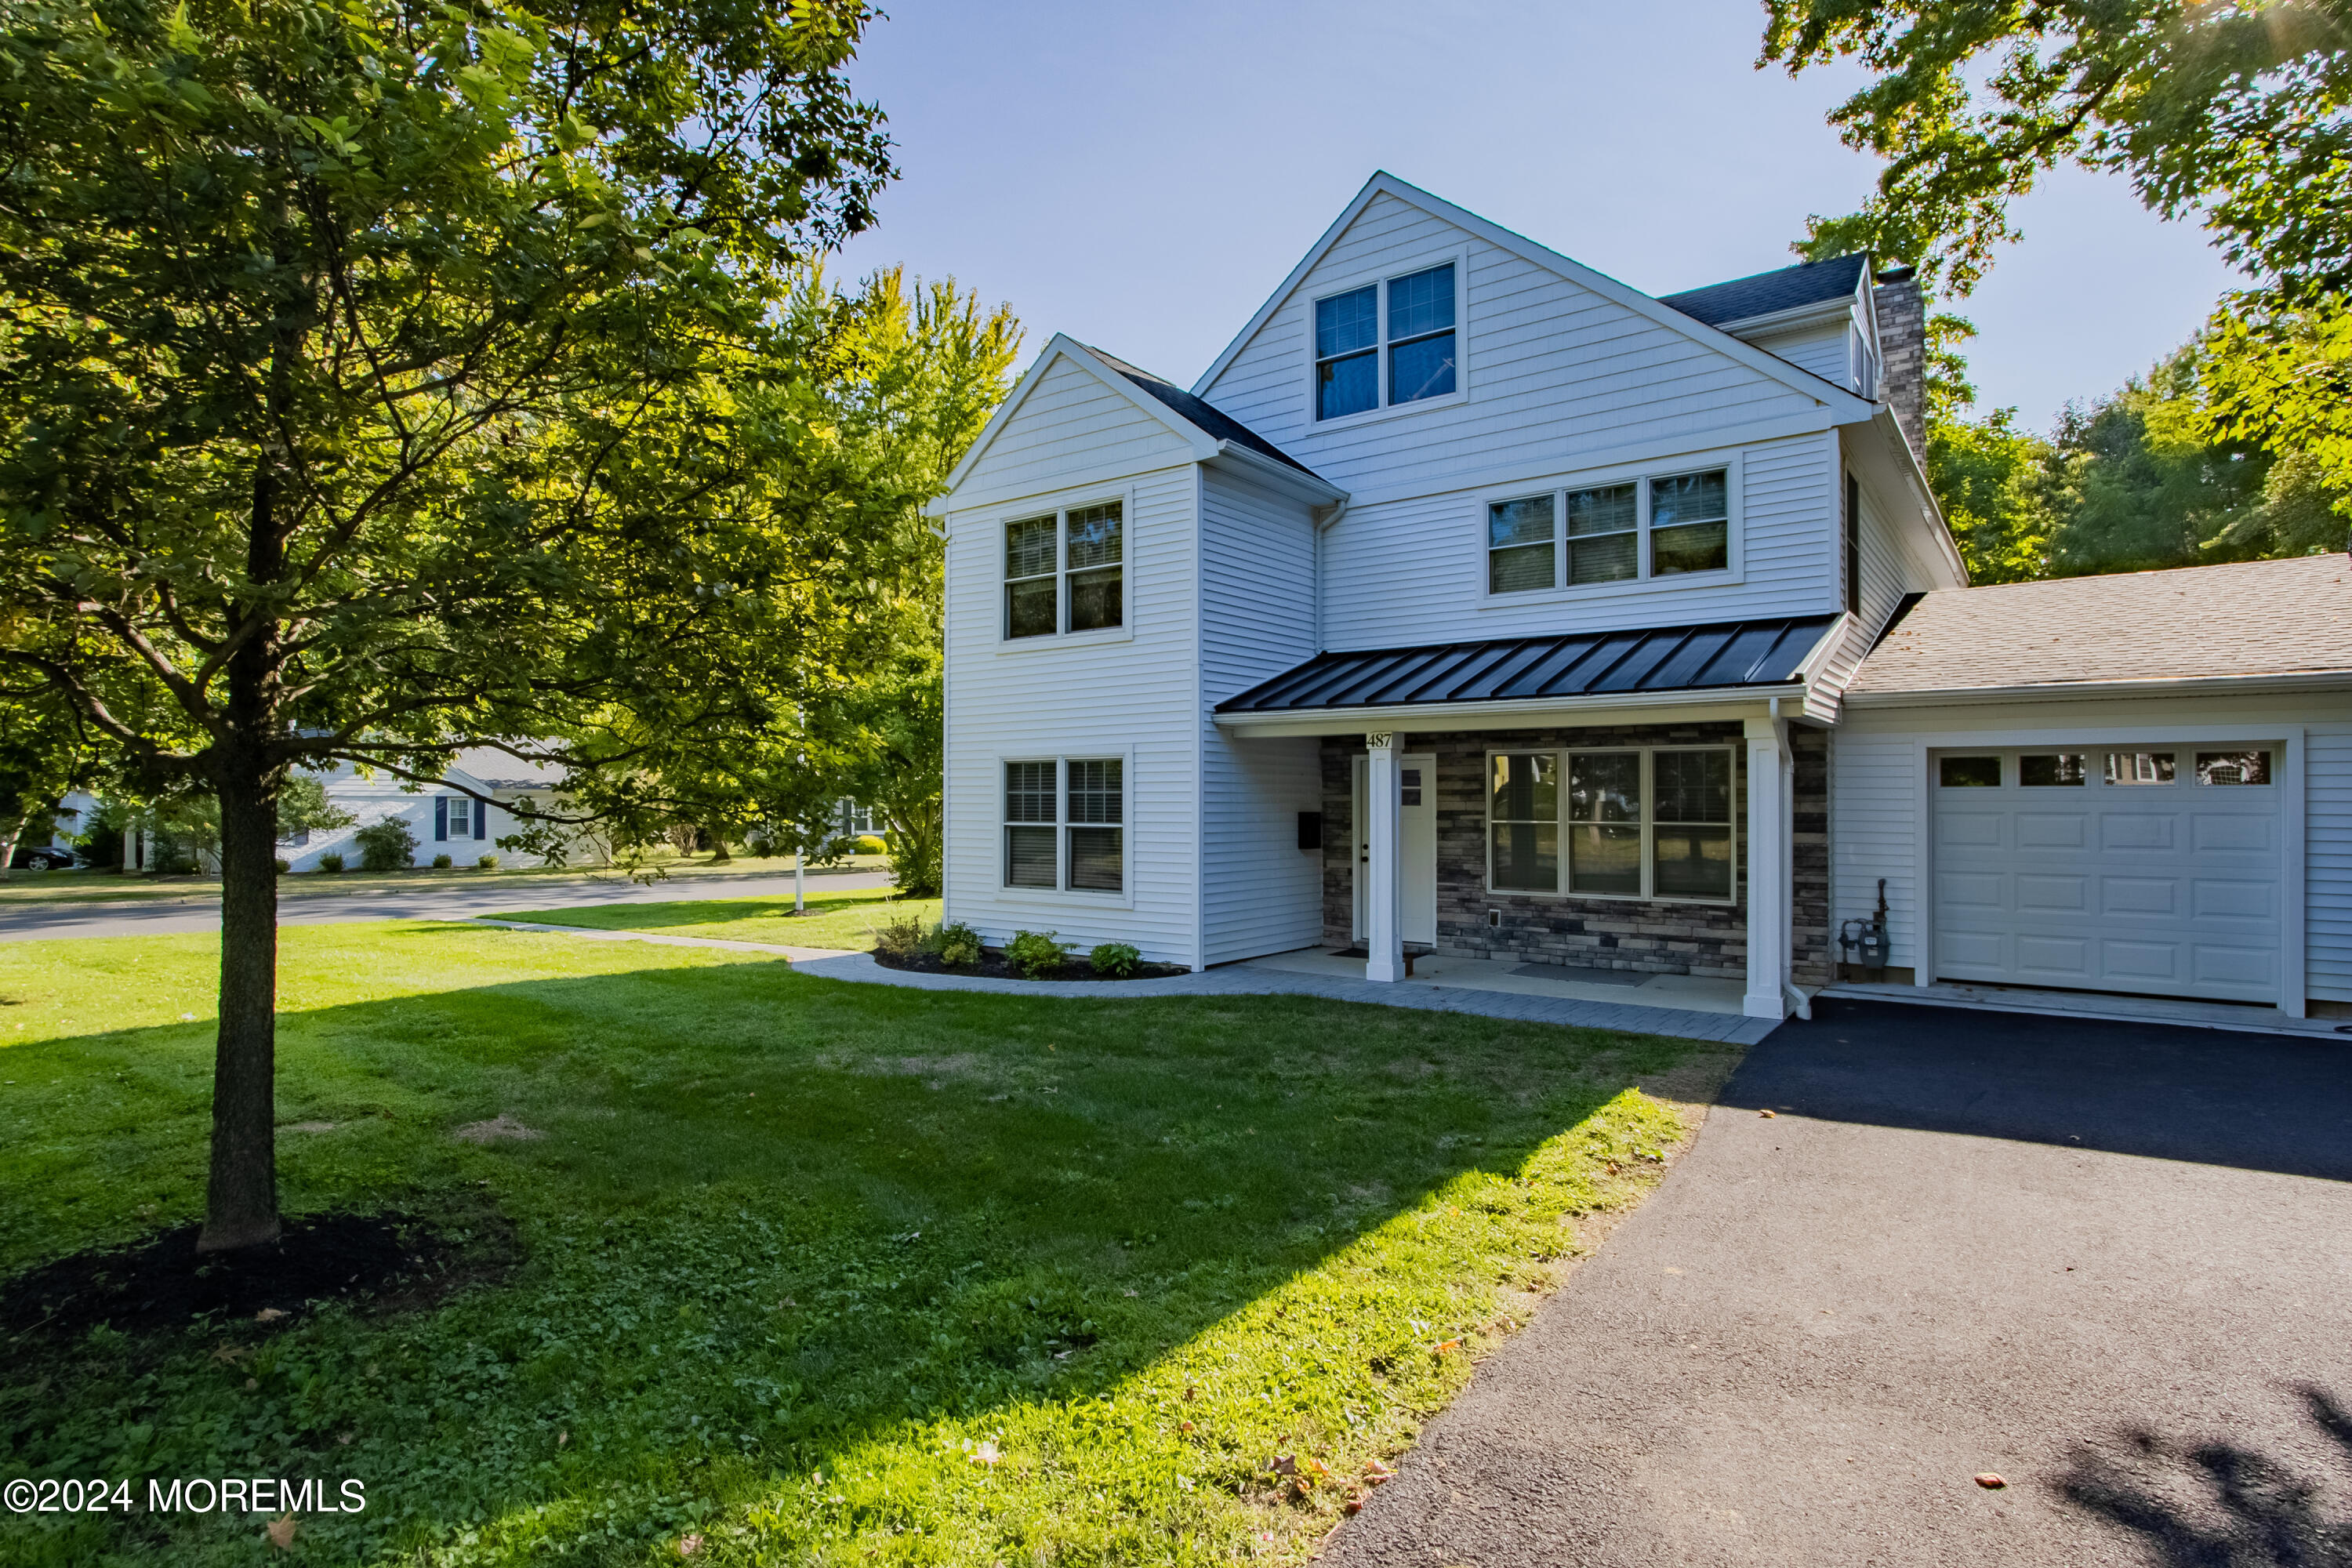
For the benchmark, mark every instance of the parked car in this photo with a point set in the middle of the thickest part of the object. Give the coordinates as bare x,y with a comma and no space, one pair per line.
45,858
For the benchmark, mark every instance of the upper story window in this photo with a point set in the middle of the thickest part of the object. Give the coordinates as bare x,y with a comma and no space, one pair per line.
1413,316
1066,570
1668,526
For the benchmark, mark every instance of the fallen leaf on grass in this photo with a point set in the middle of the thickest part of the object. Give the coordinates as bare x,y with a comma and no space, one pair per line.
1446,1348
1283,1465
690,1546
1375,1473
281,1533
986,1453
269,1314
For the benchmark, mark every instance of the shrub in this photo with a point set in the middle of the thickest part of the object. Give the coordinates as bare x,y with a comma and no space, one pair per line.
958,945
442,862
330,862
283,865
1114,959
486,863
900,937
868,844
386,846
1037,953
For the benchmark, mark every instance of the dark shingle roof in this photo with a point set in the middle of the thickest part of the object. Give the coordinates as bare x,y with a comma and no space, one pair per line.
1581,664
2237,620
1211,419
1809,283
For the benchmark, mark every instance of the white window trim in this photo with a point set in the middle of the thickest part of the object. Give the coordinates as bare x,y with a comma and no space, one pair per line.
1560,755
1061,506
1062,895
1460,257
1735,570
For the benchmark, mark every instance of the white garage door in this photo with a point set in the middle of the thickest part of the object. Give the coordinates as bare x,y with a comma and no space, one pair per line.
2155,869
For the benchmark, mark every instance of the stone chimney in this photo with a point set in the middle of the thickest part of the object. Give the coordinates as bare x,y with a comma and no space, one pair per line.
1903,352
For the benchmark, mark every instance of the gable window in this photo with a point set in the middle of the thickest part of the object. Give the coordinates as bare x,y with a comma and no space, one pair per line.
1414,316
1066,570
1653,823
1065,825
1667,526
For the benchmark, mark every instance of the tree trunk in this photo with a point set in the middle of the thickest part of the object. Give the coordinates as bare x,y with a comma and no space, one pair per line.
8,846
241,1206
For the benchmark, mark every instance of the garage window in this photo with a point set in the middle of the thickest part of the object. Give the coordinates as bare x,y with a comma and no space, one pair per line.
2052,770
2127,768
1969,772
2233,767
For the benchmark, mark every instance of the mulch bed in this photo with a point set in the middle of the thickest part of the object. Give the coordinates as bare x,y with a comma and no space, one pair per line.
991,966
392,1262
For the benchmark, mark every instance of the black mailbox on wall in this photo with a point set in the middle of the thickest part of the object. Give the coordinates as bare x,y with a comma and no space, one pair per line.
1311,830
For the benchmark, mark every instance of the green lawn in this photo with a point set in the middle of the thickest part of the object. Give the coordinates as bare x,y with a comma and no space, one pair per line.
799,1255
837,917
78,887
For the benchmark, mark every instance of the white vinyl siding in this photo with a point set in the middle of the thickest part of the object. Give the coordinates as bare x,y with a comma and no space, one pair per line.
1415,571
1132,697
1550,370
1070,425
2327,864
1260,892
1828,350
1885,578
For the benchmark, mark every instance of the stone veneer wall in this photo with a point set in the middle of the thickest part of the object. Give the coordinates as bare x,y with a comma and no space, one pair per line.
1650,937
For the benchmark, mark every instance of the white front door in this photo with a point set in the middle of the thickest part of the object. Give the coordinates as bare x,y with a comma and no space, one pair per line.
1416,852
2145,868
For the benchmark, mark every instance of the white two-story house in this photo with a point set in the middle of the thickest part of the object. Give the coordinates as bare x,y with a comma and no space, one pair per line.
1474,602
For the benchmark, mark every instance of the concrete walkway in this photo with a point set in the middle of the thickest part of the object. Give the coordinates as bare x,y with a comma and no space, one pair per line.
2107,1262
1267,979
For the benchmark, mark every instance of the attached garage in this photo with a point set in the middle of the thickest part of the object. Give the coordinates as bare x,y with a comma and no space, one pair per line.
2109,786
2157,867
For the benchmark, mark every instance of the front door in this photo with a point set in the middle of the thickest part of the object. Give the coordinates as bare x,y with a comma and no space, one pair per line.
1416,852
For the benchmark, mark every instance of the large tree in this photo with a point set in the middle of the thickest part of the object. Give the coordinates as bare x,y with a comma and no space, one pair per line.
384,377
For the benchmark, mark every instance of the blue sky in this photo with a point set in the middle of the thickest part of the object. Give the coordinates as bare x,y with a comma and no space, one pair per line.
1142,176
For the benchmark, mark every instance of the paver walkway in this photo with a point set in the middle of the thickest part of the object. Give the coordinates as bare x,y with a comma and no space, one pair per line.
2107,1262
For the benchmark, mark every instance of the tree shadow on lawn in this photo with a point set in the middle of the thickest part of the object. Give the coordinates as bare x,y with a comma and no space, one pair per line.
797,1248
879,902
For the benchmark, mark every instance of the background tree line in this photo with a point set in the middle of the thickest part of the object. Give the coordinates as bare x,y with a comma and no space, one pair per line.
2236,115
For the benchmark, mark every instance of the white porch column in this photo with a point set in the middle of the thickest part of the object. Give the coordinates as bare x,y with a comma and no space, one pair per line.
1768,878
1381,899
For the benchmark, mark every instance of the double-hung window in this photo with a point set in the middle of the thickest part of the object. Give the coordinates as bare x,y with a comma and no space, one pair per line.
1663,526
1066,570
1414,317
1065,825
1622,823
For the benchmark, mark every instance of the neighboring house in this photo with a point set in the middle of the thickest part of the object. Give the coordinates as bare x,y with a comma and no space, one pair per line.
1475,600
450,818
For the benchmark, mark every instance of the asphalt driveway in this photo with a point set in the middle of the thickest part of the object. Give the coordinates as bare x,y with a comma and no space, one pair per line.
2111,1263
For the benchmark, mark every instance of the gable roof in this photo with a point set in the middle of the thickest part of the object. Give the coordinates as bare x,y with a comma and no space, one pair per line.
1854,409
1729,654
1202,414
2242,621
1200,425
1766,294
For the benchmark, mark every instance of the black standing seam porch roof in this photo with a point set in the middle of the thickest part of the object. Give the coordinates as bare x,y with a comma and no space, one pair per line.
1725,656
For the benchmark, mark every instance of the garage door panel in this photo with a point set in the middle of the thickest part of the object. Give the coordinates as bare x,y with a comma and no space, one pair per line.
2134,961
2138,830
2043,893
2244,969
1973,830
2055,960
1986,952
1971,890
2215,831
2212,899
2052,830
2139,896
2162,889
